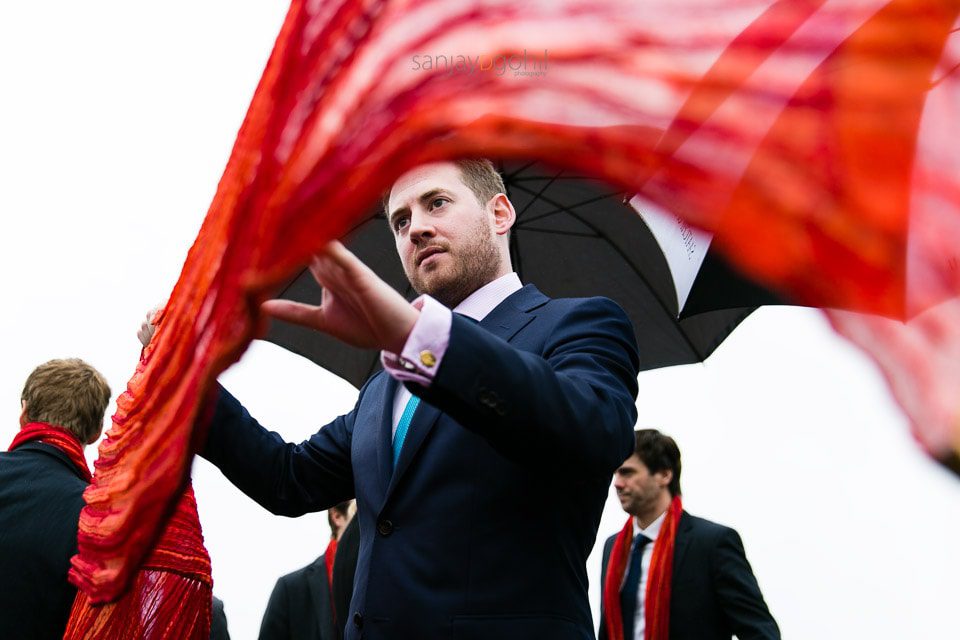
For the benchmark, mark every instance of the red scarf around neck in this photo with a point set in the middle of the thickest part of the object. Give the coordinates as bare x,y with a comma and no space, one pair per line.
656,610
55,436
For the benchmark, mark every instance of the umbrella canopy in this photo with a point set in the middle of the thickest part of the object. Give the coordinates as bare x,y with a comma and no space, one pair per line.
573,237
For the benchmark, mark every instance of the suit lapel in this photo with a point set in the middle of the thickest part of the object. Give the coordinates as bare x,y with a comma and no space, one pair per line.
682,541
424,418
385,437
505,321
320,595
513,314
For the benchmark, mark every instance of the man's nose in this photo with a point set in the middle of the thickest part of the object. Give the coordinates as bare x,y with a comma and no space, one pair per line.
420,227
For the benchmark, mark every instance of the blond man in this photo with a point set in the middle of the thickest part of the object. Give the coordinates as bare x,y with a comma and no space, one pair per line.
42,479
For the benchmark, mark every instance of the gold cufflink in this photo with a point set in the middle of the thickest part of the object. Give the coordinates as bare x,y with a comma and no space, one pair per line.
427,358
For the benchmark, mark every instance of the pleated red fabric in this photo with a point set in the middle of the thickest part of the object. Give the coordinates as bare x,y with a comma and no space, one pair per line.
171,595
812,137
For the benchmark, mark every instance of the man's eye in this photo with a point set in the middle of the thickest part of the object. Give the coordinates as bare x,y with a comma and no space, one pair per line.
400,223
438,202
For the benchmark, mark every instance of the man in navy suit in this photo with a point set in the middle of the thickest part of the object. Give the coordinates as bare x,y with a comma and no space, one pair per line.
713,594
42,480
480,457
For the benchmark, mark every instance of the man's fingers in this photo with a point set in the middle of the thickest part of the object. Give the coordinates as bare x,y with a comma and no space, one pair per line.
295,312
337,254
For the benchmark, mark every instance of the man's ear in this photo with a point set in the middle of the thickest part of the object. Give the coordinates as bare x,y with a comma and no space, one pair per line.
665,476
24,420
503,213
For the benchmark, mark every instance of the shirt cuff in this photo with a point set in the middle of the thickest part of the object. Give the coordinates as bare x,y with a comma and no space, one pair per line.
423,351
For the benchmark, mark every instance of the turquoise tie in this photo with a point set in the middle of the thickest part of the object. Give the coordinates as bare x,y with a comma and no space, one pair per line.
405,419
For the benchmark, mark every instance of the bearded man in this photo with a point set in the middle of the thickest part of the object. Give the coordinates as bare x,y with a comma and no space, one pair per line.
480,457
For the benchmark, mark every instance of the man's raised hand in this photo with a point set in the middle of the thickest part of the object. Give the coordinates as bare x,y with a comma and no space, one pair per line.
357,307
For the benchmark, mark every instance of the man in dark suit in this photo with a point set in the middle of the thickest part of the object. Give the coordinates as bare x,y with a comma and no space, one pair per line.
713,593
42,479
301,604
480,457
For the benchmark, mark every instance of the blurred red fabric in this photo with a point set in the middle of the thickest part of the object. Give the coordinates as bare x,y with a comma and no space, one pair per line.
816,139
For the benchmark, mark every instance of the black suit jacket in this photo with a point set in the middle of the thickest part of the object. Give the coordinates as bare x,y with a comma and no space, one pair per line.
299,607
41,494
344,569
714,594
218,621
483,529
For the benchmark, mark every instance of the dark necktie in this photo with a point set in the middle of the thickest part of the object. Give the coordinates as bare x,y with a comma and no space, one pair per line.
631,586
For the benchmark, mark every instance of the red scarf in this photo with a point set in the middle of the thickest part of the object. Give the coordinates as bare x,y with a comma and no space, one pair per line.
328,558
170,596
656,609
58,437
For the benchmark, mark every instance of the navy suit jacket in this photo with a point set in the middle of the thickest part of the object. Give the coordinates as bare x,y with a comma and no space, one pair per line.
41,494
714,593
300,606
483,529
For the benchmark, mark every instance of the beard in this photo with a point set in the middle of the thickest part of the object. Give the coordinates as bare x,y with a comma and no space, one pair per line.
471,267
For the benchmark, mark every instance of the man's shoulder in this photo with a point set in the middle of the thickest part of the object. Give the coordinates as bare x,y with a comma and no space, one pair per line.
56,467
598,302
704,527
301,574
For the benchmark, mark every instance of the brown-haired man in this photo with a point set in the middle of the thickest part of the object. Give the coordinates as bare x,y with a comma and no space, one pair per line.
705,589
490,388
42,479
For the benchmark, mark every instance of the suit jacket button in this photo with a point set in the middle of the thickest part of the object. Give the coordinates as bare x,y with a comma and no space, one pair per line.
358,620
384,527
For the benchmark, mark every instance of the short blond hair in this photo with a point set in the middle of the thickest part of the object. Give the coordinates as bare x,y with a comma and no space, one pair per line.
68,393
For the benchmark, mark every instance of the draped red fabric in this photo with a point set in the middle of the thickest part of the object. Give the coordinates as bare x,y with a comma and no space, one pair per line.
171,595
55,436
813,137
328,558
656,613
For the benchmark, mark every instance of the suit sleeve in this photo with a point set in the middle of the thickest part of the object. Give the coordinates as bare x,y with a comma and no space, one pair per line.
276,619
572,407
286,479
738,593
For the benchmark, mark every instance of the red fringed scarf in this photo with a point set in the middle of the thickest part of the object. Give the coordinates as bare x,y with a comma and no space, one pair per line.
55,436
656,609
171,595
328,558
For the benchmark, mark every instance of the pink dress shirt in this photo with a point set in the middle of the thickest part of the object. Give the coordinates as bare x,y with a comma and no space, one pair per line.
431,334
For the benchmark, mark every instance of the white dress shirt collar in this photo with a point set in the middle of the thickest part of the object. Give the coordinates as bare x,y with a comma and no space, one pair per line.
651,531
482,301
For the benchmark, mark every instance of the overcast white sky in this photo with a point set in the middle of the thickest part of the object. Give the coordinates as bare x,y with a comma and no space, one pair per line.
116,120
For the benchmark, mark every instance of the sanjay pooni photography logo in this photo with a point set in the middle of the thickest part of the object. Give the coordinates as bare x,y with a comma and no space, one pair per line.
519,64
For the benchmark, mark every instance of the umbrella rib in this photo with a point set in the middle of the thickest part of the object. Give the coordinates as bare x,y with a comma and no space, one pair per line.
647,282
626,259
536,195
560,232
560,208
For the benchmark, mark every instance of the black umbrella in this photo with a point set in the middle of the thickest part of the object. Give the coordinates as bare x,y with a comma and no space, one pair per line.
573,237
